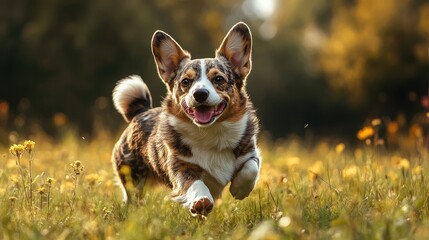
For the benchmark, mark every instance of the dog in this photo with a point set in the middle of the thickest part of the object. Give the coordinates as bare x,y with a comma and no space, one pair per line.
204,135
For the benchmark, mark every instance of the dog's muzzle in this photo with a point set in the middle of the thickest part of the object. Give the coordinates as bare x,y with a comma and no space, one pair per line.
204,114
201,95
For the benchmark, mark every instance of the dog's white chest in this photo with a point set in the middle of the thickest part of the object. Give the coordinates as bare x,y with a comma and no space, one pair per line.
212,148
220,164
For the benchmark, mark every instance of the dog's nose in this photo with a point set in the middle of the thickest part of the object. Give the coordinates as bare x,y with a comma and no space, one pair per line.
201,95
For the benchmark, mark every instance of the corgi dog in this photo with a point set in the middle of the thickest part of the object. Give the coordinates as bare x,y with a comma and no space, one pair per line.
204,135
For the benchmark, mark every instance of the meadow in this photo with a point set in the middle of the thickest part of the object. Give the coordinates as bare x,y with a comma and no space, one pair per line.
65,189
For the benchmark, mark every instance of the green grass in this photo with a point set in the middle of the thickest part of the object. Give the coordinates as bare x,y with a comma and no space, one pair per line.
304,192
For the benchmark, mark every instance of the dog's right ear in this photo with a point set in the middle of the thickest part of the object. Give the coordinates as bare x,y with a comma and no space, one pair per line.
168,55
236,47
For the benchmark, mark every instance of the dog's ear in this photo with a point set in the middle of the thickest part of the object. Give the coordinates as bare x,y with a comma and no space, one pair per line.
237,48
168,55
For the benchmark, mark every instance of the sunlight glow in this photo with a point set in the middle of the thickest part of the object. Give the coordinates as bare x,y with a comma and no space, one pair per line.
262,9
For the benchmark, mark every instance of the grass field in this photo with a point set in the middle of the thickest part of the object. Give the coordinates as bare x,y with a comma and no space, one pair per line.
323,190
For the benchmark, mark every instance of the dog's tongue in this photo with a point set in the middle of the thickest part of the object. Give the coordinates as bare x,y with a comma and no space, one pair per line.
204,114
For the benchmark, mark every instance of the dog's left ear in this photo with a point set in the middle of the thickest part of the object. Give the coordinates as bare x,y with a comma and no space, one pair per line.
236,47
168,55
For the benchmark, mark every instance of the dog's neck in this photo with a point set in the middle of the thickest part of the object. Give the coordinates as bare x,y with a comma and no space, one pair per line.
220,135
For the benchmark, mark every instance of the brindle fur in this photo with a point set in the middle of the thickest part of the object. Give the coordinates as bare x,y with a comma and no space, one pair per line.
151,147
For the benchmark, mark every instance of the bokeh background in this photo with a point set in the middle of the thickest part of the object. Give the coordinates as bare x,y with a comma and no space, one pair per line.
321,68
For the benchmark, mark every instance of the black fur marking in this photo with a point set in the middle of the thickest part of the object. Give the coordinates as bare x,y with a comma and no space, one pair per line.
174,139
246,144
156,161
158,38
223,66
195,65
172,82
175,81
233,77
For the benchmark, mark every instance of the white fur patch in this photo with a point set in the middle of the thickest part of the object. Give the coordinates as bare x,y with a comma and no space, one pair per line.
212,147
203,83
196,190
245,180
127,91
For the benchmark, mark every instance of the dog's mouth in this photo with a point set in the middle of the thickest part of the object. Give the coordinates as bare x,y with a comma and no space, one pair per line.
204,114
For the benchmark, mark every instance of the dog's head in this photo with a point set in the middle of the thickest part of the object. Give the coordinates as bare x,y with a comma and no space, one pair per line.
208,90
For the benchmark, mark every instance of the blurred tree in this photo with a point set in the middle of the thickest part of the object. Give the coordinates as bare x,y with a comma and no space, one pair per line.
319,63
344,61
62,55
377,51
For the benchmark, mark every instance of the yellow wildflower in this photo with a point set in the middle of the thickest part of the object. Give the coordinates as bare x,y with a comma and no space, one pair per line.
29,145
125,170
368,141
129,185
50,180
350,172
41,190
393,176
293,162
59,119
77,168
92,178
17,149
14,178
315,170
417,170
404,164
416,131
376,122
365,133
392,127
340,148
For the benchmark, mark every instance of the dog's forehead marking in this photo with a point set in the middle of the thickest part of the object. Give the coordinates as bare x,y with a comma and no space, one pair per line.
211,73
204,81
191,70
214,63
214,66
196,65
190,73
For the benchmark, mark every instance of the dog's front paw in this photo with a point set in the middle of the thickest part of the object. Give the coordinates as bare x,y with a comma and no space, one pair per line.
245,180
202,206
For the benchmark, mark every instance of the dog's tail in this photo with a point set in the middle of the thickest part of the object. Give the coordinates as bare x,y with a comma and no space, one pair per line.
131,96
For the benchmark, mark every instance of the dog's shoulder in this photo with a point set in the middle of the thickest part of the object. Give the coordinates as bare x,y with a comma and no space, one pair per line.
247,141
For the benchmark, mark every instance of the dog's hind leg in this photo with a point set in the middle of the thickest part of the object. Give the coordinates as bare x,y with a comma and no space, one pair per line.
130,170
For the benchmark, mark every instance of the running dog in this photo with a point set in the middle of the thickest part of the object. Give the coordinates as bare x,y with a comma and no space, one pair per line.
204,135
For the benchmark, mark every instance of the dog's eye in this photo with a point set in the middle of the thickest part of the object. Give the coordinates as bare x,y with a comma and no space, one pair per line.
185,82
219,80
